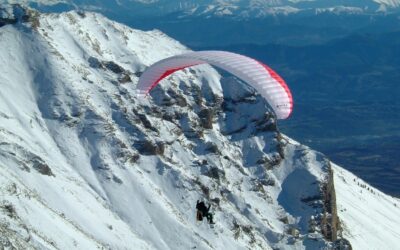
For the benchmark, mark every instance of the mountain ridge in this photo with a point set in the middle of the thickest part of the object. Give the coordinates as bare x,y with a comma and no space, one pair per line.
86,164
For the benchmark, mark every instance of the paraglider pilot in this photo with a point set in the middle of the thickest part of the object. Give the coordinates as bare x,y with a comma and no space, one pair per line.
203,211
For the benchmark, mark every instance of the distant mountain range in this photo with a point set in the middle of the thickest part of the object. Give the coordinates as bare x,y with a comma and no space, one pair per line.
294,22
219,8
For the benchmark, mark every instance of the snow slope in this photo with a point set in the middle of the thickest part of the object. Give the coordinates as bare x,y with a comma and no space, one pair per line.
369,217
86,164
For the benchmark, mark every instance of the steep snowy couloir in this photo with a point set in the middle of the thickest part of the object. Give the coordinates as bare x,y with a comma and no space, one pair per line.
85,164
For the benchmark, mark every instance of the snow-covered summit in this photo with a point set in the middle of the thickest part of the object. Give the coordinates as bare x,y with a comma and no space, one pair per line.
86,164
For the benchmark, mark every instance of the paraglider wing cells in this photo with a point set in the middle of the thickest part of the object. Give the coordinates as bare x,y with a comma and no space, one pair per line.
265,80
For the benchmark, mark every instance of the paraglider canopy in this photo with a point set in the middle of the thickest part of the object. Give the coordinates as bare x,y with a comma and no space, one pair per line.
266,81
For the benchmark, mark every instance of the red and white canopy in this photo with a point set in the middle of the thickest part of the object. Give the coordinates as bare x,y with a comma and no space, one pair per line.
268,83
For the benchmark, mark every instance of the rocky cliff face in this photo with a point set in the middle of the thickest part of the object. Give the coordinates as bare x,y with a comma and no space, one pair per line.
331,223
85,163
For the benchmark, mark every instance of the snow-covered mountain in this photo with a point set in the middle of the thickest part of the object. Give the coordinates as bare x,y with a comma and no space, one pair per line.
87,164
218,8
